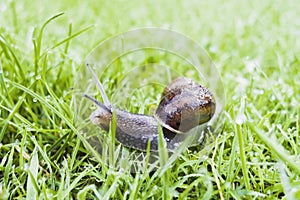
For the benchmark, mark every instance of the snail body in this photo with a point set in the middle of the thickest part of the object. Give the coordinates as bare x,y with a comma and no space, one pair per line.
132,130
184,106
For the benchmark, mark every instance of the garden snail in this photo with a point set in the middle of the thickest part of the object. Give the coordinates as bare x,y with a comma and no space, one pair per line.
185,105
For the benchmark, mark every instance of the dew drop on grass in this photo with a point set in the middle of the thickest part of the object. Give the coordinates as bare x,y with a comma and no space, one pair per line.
31,74
205,157
291,116
228,185
266,123
25,166
279,126
34,100
240,119
270,169
234,97
28,128
214,49
273,98
251,154
48,98
291,130
258,92
38,77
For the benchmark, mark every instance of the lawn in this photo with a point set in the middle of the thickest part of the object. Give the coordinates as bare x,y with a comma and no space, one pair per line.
44,152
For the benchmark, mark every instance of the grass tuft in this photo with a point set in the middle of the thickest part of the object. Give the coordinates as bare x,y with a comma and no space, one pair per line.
44,154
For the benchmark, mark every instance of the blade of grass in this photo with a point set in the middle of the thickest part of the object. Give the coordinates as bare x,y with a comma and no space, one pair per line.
37,41
5,45
61,115
291,191
8,168
112,131
240,119
3,85
83,193
47,160
68,190
163,159
215,173
74,154
32,185
276,148
11,115
68,39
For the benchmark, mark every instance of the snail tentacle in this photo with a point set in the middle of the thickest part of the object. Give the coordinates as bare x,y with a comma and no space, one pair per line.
100,86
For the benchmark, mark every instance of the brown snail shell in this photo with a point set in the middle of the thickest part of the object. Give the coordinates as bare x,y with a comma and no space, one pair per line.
185,105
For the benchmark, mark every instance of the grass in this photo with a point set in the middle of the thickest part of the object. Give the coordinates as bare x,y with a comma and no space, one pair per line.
43,154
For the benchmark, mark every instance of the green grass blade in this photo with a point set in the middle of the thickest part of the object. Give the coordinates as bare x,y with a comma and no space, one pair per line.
68,190
67,40
83,193
277,149
10,116
37,41
32,185
240,120
5,45
61,115
163,159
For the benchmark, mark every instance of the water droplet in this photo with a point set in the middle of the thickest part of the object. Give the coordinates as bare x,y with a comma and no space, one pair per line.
48,98
25,166
240,119
205,157
38,77
228,185
31,74
273,98
251,64
28,128
214,49
247,58
34,100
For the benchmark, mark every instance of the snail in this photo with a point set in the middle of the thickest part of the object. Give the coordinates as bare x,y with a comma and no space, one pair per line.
184,106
